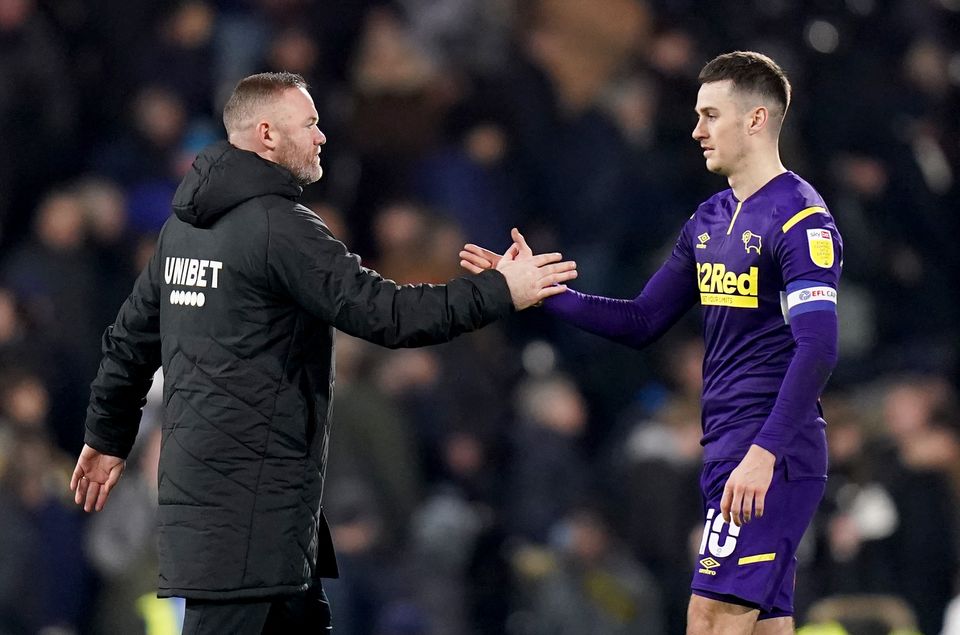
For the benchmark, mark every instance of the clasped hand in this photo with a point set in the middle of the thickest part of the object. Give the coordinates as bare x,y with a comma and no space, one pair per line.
531,278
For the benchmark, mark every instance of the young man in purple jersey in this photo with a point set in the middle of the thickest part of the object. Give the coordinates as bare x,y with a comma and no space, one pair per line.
763,260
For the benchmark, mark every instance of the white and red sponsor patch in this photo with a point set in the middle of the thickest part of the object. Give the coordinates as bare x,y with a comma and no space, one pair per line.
821,247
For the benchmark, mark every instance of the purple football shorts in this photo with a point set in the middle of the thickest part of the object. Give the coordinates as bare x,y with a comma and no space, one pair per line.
754,565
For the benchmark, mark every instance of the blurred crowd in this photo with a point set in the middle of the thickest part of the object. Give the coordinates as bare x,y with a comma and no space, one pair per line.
527,479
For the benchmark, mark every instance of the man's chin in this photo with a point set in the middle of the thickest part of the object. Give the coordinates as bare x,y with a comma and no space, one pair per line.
306,178
716,168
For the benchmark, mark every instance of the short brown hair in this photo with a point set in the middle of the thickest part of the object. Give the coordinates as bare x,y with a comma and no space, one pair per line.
251,93
750,72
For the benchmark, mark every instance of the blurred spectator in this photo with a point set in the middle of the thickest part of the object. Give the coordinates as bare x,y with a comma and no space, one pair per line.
467,34
38,111
469,183
655,475
15,346
413,245
146,151
362,592
41,529
399,99
890,523
177,58
55,277
862,613
376,446
591,584
105,211
121,545
548,474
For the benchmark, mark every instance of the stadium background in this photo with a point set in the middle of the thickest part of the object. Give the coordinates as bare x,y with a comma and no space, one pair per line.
527,479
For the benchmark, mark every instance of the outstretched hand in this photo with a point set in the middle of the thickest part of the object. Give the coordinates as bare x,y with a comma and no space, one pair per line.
94,477
475,258
531,278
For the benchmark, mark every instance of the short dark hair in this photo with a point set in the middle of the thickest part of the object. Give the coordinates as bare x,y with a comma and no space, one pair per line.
750,72
251,93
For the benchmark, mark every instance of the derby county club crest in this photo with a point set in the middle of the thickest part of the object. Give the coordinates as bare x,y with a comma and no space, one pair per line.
751,241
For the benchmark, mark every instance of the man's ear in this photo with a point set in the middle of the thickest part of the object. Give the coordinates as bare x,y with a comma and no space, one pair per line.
758,119
267,135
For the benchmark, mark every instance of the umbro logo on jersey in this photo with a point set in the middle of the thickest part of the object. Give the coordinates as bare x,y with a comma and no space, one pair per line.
703,238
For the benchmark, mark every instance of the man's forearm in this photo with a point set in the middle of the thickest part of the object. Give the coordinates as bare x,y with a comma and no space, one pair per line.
813,361
665,298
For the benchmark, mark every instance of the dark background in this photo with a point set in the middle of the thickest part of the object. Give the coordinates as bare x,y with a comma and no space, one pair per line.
528,478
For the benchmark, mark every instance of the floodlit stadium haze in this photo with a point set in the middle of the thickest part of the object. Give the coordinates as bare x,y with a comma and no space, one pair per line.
528,478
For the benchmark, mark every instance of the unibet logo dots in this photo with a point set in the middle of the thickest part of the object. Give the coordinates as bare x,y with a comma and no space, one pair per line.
187,298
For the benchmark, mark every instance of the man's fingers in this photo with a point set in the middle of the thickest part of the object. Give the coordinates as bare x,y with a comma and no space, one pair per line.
552,290
102,497
557,278
472,268
75,478
546,259
480,252
758,504
91,495
736,506
81,491
521,241
114,476
725,501
475,258
748,498
560,267
511,253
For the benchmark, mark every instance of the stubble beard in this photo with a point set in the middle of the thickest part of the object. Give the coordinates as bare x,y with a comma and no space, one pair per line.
305,169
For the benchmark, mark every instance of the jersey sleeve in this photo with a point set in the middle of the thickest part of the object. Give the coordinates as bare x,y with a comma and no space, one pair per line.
681,259
809,250
638,322
668,294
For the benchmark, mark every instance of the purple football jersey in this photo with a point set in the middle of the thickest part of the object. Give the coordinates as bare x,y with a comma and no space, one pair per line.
756,263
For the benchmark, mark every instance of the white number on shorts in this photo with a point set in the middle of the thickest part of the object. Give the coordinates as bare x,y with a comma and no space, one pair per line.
711,536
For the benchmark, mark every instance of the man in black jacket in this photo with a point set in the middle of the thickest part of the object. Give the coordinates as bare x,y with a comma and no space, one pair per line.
239,305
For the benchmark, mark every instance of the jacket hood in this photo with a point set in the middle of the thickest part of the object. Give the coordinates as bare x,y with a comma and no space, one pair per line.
222,177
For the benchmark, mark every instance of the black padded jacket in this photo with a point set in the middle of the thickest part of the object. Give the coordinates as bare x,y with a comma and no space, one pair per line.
239,306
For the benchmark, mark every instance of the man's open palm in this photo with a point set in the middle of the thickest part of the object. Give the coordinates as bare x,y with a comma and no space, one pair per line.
93,478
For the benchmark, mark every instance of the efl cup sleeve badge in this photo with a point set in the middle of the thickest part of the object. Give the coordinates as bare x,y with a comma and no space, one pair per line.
821,247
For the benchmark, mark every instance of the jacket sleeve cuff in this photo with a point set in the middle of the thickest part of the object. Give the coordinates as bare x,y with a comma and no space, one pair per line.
495,294
112,447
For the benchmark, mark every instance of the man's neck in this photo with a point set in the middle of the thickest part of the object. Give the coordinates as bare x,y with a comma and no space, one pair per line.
755,174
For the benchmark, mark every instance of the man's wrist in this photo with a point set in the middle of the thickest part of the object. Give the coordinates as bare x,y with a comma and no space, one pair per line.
761,453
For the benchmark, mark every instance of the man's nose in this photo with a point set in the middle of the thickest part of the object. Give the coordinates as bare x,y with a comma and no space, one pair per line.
698,131
321,138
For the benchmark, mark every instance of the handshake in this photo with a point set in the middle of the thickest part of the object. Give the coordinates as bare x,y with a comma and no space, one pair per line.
531,278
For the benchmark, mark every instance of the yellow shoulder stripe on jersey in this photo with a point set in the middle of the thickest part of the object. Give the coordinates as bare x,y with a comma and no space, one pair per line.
760,557
734,219
799,216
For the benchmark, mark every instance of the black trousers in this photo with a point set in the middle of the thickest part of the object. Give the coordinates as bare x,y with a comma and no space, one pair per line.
306,613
